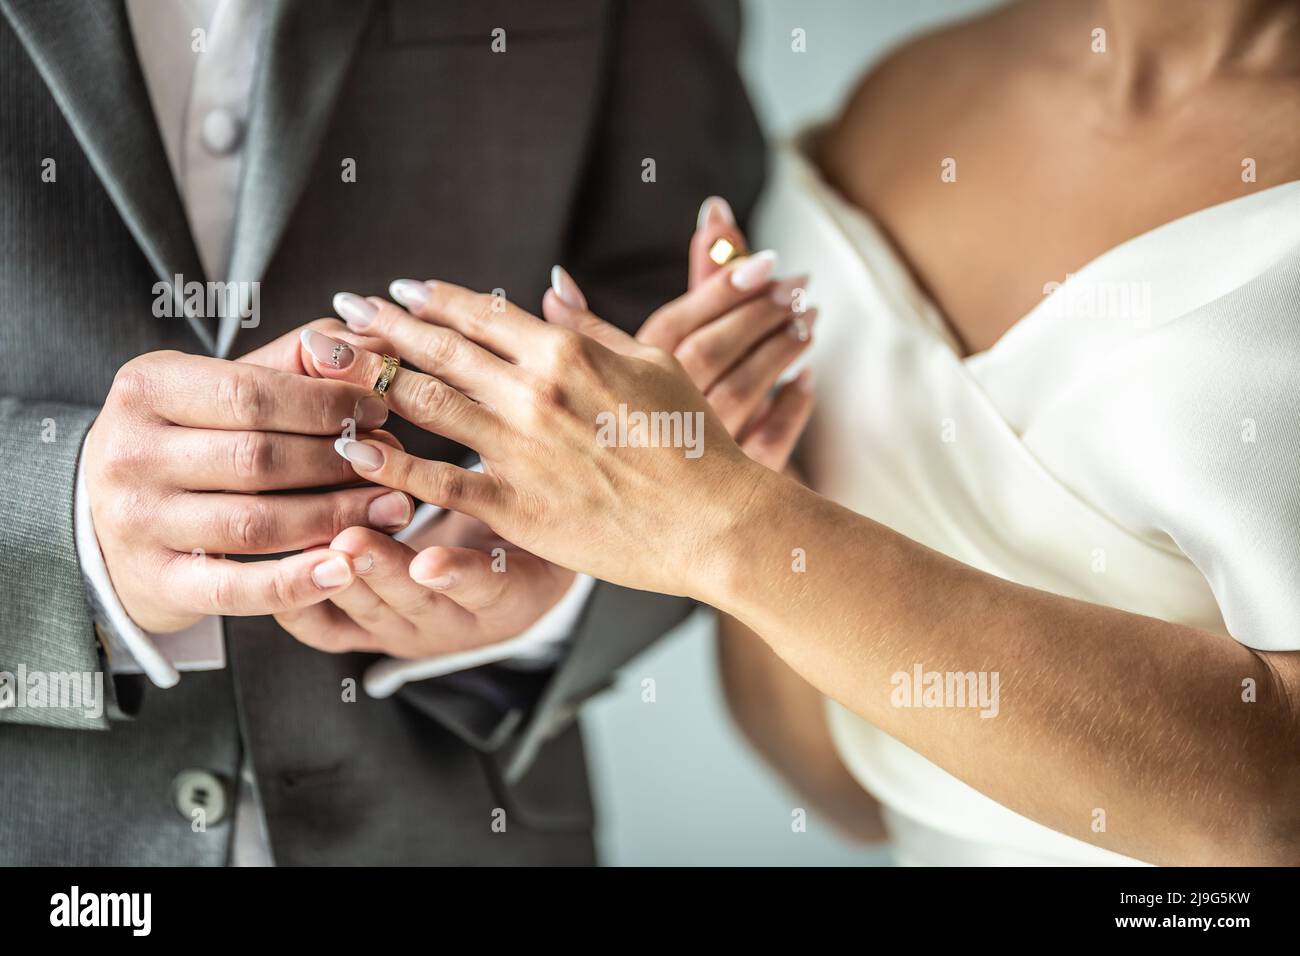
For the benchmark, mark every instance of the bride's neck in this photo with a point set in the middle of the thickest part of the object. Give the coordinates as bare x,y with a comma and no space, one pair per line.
1160,51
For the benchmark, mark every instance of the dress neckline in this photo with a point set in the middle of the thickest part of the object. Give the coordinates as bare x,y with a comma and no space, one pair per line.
853,218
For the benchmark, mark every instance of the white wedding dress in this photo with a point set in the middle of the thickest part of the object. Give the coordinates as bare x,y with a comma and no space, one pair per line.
1133,441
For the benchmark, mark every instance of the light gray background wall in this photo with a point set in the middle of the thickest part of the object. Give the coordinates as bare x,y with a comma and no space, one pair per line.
675,783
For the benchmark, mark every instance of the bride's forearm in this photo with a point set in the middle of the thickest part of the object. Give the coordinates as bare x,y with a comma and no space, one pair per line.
1097,717
784,719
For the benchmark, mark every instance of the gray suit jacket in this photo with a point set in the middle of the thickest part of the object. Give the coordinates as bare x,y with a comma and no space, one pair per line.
481,167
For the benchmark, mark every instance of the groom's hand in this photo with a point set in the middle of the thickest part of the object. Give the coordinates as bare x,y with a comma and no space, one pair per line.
471,588
468,588
173,465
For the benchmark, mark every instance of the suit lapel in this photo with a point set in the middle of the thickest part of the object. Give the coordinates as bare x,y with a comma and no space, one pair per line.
84,52
307,49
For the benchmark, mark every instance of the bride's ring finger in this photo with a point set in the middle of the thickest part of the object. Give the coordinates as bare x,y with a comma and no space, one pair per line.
419,398
429,347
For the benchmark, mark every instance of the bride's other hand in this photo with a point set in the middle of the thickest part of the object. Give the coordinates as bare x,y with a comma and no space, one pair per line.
548,410
735,332
453,595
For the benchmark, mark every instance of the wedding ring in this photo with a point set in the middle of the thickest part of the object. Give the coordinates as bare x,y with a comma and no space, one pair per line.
724,250
385,376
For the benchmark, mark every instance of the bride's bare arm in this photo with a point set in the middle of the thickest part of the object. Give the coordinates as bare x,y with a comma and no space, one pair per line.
784,718
1103,715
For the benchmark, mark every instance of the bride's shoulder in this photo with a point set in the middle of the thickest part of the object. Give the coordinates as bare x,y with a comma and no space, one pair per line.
934,83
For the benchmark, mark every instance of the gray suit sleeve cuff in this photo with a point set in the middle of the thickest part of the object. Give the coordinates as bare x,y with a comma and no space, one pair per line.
45,621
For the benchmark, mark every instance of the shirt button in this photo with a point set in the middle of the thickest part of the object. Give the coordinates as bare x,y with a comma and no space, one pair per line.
200,790
221,132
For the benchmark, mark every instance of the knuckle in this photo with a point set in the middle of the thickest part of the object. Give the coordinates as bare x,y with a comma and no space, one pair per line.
120,459
241,398
481,308
433,399
547,396
348,513
132,385
447,484
249,527
253,456
282,592
440,350
697,354
660,357
572,350
225,594
120,512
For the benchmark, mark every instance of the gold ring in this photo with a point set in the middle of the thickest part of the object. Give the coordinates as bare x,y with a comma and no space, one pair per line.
724,250
385,376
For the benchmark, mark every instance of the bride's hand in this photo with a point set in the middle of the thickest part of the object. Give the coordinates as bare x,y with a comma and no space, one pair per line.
542,405
735,332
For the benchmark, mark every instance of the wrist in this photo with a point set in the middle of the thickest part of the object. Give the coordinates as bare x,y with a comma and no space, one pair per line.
730,557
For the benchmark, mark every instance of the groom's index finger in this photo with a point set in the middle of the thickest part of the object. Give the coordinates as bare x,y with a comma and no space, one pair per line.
487,318
202,392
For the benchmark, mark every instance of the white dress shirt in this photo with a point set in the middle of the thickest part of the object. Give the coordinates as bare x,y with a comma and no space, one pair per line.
199,59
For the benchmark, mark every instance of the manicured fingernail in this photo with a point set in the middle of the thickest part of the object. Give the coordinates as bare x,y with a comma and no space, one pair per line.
327,351
330,574
567,289
786,291
797,328
366,457
440,583
363,564
354,310
753,272
714,211
370,413
392,510
409,293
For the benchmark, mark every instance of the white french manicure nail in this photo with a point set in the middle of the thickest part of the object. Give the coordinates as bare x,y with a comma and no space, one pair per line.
325,350
409,293
563,285
354,310
364,456
754,271
714,211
